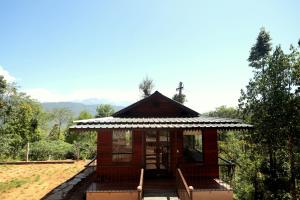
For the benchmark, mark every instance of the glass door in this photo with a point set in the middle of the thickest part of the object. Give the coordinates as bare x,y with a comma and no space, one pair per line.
157,150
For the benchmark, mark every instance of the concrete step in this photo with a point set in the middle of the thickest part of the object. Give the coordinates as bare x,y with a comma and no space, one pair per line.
160,195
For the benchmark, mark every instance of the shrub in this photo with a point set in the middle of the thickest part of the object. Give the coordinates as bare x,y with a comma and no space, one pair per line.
50,149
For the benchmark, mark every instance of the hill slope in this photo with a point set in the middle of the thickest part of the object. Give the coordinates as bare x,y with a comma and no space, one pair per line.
76,108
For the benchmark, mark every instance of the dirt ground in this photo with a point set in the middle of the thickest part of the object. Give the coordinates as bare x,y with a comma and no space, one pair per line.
35,180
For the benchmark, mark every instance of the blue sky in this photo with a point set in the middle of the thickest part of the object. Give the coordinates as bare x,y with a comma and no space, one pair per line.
74,50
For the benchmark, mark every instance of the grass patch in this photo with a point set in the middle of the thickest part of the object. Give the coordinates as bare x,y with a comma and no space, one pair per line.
15,183
37,178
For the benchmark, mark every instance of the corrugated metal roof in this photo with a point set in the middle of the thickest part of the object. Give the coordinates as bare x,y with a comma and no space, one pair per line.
117,120
160,126
159,123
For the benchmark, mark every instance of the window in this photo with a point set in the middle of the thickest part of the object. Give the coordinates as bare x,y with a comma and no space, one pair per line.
122,146
193,146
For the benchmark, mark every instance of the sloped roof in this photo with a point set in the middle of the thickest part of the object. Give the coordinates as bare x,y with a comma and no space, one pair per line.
156,112
156,105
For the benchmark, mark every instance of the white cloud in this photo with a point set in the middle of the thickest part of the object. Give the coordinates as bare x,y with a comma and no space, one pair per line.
45,95
117,97
7,76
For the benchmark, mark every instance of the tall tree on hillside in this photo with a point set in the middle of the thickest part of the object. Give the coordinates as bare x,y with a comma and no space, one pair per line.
253,102
146,87
267,103
260,51
292,118
60,116
104,110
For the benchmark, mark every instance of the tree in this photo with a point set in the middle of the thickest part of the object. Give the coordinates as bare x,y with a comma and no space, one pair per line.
146,87
19,121
260,51
84,144
268,103
60,116
84,115
180,97
224,112
104,110
234,147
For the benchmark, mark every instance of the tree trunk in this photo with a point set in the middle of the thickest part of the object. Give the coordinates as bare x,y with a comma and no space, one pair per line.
255,187
27,152
78,153
59,125
292,167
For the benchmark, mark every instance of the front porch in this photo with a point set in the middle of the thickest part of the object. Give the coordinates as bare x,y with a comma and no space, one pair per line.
182,186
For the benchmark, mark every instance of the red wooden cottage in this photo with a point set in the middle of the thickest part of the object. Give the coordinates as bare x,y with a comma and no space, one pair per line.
158,144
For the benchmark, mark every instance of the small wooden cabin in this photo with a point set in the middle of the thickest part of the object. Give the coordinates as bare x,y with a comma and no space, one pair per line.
163,138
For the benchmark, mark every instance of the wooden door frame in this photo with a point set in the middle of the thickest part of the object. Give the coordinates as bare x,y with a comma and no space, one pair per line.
157,133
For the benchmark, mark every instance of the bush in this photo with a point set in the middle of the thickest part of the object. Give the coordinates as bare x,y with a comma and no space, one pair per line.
50,149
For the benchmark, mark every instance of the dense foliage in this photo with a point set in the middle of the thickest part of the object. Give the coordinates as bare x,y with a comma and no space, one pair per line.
271,103
23,124
51,150
19,120
84,144
104,110
267,157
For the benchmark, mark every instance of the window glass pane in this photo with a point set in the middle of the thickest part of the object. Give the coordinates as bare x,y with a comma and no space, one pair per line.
122,157
122,145
193,146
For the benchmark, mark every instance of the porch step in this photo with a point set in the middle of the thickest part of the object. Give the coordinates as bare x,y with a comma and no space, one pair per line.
160,195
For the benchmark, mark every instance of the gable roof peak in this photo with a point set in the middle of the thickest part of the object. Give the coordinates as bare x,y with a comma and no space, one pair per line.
156,105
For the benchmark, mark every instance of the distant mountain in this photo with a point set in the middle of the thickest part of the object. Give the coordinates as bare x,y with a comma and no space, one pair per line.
76,108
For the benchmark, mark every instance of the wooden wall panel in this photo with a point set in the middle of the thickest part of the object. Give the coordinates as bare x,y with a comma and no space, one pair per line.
138,148
107,168
209,167
104,147
210,146
173,149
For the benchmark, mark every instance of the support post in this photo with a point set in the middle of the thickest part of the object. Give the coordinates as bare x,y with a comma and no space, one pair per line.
191,188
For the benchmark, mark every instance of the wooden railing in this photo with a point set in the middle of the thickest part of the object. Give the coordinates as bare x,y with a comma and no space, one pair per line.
140,188
184,191
227,171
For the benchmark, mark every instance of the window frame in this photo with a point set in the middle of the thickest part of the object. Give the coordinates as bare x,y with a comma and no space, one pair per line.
122,153
202,141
